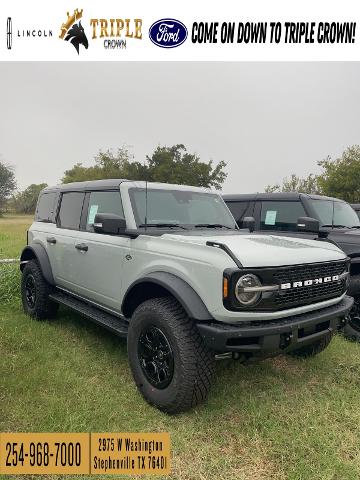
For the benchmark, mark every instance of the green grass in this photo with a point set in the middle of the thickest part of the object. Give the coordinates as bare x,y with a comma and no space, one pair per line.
13,234
278,419
12,240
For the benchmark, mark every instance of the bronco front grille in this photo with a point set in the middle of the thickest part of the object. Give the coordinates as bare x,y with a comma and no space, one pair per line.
294,296
313,293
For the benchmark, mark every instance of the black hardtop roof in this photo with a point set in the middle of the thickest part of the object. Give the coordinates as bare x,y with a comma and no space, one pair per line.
290,196
88,185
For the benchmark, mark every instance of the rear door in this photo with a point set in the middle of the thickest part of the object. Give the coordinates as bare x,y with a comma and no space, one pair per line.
61,244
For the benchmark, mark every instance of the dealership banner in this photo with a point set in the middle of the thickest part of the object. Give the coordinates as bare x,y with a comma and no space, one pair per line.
92,30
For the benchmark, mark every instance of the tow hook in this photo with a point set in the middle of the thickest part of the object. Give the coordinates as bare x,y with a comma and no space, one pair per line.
343,321
285,340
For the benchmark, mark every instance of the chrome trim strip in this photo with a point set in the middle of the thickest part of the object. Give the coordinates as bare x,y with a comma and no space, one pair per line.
266,288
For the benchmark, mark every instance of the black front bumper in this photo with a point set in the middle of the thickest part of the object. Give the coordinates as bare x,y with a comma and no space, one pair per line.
268,338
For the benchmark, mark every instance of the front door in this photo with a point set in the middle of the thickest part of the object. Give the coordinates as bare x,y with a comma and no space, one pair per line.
99,258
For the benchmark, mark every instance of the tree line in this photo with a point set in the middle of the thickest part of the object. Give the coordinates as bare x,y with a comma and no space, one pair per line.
339,177
166,164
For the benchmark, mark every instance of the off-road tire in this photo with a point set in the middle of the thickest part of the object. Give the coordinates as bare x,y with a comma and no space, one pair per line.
314,348
352,329
42,307
193,362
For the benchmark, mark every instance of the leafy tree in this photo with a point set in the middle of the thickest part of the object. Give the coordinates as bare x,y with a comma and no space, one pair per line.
107,165
25,201
341,177
176,165
309,184
7,184
166,164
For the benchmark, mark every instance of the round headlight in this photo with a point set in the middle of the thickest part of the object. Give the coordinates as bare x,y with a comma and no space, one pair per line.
243,289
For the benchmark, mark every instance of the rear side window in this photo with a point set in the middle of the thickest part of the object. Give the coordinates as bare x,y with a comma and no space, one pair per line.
103,202
238,209
281,215
46,207
70,210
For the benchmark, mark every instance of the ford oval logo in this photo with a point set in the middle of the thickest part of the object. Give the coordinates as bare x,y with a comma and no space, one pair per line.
168,33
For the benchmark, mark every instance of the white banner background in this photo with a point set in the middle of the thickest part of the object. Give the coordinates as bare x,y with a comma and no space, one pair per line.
41,14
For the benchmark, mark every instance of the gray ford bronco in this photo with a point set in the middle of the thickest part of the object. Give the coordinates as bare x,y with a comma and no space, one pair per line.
167,267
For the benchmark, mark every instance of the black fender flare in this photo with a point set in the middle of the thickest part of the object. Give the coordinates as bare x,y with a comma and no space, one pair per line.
36,250
179,289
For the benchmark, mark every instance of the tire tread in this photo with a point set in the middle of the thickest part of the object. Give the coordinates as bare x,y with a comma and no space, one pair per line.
196,359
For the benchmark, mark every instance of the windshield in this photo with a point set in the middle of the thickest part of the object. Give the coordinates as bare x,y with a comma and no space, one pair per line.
335,213
180,207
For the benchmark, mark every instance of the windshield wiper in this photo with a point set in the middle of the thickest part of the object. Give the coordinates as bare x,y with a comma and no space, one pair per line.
335,226
355,226
211,225
162,225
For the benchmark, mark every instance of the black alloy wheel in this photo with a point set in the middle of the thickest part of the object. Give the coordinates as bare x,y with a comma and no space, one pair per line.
30,291
156,357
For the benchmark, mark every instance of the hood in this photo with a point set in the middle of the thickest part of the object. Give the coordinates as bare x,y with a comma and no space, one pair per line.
347,239
268,250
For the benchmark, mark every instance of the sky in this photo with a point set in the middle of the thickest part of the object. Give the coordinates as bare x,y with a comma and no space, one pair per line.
265,120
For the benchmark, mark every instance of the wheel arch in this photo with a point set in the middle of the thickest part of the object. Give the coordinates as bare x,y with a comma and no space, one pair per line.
158,284
37,251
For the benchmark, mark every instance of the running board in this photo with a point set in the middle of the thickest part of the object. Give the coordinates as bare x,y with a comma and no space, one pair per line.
115,324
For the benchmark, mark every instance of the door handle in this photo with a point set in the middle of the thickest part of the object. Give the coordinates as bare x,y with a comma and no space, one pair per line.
82,247
51,240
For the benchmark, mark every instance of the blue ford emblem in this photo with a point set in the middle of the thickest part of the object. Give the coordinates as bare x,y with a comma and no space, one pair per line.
168,33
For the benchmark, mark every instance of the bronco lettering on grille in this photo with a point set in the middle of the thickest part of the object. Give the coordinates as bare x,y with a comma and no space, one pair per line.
307,283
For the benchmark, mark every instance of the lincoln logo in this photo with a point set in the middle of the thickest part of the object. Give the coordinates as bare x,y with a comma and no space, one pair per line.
315,281
9,33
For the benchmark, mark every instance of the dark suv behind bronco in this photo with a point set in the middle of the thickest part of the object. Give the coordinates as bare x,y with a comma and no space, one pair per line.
321,218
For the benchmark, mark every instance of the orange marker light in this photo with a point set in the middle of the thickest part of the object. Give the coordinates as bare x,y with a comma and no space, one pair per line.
225,287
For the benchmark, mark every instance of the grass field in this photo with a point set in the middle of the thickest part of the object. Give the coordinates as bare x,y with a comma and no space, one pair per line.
279,419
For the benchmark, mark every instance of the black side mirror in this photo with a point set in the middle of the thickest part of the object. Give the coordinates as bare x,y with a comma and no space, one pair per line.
249,222
308,224
109,223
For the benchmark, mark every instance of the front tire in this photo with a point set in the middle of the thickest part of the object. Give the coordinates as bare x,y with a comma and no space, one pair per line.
352,328
314,348
35,292
171,365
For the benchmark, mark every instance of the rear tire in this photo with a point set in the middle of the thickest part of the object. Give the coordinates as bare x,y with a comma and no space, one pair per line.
35,292
171,365
314,348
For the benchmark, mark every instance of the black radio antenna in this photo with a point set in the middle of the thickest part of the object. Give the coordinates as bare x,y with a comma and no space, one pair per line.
146,195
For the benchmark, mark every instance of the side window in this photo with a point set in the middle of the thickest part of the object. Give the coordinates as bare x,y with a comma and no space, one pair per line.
281,215
238,210
70,210
46,207
103,202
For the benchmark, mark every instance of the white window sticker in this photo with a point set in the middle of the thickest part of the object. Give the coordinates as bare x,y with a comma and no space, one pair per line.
270,218
92,212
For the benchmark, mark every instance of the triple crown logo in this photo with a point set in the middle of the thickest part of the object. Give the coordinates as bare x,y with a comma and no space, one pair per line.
74,31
